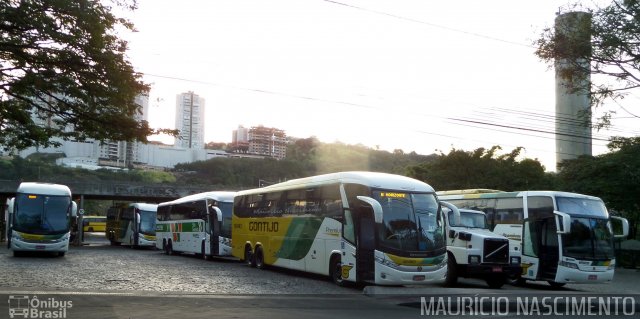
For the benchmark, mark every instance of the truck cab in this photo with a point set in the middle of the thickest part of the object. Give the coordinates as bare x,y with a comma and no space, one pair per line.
476,252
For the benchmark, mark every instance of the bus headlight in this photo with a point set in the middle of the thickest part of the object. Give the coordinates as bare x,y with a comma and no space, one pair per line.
386,262
474,259
568,264
612,265
515,260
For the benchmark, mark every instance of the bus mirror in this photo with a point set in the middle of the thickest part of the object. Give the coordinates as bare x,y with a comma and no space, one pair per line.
625,226
218,213
563,222
74,210
377,208
456,213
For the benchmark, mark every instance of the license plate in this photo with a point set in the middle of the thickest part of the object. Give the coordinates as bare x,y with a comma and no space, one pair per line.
40,247
419,278
593,277
497,269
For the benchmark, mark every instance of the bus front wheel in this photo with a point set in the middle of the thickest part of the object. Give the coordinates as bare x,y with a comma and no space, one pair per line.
452,272
259,258
335,271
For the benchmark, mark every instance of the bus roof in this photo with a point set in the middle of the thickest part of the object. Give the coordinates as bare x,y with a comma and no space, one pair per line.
221,196
145,206
43,189
372,179
516,194
468,191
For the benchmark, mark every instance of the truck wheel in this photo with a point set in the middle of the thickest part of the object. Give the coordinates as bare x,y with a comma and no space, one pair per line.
452,272
496,282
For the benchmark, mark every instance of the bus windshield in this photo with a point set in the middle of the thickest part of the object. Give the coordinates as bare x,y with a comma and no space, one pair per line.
590,238
42,214
410,221
582,206
148,222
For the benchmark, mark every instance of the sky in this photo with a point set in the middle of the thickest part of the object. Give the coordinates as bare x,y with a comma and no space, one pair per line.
416,75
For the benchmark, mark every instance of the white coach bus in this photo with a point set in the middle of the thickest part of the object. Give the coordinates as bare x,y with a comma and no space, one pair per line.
39,218
352,226
199,224
564,237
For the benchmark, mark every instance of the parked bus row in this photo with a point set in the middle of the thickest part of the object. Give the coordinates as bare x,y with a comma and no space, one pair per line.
354,227
389,229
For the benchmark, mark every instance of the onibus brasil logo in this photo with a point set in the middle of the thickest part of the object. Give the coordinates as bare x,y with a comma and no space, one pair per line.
32,307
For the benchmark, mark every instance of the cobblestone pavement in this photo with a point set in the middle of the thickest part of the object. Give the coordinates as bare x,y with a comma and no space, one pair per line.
99,266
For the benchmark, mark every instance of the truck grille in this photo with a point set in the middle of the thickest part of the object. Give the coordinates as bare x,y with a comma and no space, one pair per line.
496,250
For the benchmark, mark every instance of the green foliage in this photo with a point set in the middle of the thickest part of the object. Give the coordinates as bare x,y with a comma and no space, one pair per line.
482,168
305,157
611,35
62,61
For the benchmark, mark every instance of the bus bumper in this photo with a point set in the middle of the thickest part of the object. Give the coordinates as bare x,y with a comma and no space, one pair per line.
21,245
570,275
386,275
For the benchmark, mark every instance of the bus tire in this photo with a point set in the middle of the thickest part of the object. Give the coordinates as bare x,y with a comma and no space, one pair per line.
17,253
204,252
335,271
452,272
170,248
248,256
259,258
61,254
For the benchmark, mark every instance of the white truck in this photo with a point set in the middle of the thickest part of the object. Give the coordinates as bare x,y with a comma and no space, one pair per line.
476,252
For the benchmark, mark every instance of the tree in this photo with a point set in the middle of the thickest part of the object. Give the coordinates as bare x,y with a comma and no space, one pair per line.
63,62
612,47
482,168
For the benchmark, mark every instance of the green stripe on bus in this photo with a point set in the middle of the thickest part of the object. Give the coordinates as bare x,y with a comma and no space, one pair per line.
299,238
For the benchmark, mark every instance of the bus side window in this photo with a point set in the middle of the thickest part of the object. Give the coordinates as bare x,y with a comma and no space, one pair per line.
540,206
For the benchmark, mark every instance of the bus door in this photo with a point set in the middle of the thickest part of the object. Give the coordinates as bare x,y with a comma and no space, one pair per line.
365,244
212,245
530,249
549,249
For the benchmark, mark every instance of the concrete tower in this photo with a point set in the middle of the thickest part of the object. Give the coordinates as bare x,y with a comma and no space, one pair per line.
190,120
573,117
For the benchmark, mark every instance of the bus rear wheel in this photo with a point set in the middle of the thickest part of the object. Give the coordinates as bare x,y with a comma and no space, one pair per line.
169,249
248,257
259,258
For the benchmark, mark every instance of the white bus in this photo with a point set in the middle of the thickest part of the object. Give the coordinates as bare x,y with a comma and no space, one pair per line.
39,218
199,224
352,226
564,237
132,224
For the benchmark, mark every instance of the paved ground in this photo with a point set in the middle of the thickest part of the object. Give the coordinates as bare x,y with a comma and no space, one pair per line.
98,266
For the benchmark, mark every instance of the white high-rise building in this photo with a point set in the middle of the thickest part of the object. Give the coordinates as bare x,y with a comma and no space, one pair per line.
121,153
190,121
